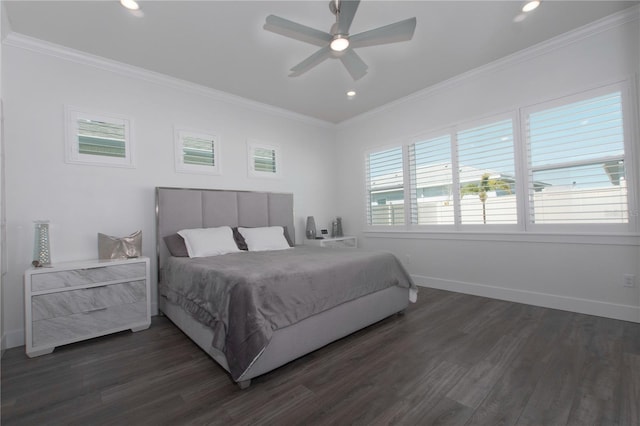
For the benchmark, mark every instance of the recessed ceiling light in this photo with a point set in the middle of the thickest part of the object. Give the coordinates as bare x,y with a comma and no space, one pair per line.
531,5
130,4
351,93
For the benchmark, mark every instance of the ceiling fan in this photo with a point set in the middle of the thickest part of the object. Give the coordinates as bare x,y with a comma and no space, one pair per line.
338,43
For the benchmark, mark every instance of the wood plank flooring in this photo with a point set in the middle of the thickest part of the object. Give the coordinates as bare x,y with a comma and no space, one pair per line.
453,359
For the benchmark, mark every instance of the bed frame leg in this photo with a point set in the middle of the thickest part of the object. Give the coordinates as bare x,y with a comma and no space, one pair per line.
244,384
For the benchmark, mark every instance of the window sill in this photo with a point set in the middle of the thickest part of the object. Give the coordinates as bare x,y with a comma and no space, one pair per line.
618,239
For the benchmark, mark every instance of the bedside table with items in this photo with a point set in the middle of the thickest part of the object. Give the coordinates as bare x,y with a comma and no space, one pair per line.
348,242
74,301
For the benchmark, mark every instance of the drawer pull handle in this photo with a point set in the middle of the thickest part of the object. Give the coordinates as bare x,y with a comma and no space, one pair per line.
97,268
95,310
92,288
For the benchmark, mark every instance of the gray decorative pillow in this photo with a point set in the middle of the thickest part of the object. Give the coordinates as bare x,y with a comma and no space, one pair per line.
175,244
239,239
242,244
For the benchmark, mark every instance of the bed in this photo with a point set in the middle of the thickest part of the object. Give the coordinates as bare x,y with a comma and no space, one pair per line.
257,311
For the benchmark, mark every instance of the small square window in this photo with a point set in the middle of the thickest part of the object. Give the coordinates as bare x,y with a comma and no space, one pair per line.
264,160
197,152
100,139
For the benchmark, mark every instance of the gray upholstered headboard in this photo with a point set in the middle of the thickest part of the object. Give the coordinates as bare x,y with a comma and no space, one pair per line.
181,208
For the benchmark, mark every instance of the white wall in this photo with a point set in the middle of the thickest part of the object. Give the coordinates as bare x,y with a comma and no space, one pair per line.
82,200
3,26
577,273
584,273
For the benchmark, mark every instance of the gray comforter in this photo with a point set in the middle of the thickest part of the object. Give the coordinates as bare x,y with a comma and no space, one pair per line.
244,297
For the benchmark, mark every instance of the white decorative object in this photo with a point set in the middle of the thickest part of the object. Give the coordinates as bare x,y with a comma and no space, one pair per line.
344,242
42,245
81,300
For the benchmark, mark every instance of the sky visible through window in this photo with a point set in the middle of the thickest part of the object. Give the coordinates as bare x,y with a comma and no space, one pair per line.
580,144
588,132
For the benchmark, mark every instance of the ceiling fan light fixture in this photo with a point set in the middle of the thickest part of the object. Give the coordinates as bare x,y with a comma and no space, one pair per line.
339,43
130,4
529,6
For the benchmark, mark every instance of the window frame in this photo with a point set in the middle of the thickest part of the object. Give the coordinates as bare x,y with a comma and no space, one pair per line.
72,143
252,146
181,167
629,162
523,226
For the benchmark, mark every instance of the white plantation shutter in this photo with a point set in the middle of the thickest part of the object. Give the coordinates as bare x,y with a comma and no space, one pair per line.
486,172
101,138
198,151
265,160
98,138
577,162
431,181
385,187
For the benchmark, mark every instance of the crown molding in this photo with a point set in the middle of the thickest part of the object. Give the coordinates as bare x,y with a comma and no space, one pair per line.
32,44
563,40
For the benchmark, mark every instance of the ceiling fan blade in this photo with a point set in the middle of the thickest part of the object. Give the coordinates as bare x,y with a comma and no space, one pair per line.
297,31
347,12
311,61
354,64
392,33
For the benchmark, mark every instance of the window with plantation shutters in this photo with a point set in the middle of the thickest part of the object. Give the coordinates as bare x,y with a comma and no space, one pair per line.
486,174
385,187
558,166
264,159
197,152
431,168
103,139
576,160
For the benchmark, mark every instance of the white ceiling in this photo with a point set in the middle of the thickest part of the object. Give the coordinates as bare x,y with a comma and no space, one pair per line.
221,44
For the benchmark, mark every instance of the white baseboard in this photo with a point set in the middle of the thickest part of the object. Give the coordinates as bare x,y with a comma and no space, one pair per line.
546,300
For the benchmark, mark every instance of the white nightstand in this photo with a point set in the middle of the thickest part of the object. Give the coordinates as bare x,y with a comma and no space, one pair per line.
75,301
348,242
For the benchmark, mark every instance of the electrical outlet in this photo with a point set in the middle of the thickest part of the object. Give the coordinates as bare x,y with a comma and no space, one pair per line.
629,280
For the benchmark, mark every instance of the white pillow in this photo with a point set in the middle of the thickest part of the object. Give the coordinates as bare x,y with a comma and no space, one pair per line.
266,238
203,242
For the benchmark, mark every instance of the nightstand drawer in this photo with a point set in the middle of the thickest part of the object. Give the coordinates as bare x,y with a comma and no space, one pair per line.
61,330
77,277
86,300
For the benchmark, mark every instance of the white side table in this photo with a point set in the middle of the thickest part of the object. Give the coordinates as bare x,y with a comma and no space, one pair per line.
74,301
348,242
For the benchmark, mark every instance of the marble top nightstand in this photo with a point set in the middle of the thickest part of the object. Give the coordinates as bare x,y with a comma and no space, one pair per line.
74,301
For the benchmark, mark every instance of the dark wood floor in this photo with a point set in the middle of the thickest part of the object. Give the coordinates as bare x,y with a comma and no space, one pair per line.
452,359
